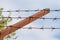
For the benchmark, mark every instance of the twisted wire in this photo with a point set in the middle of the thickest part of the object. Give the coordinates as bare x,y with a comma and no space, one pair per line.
28,10
30,17
31,27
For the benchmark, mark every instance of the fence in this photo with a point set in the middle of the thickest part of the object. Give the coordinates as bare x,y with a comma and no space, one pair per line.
57,10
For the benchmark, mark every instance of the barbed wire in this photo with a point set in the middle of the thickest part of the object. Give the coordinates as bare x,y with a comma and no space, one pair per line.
28,10
39,28
42,28
32,27
30,17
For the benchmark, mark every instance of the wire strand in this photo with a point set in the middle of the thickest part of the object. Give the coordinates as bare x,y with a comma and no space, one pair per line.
28,10
37,27
30,17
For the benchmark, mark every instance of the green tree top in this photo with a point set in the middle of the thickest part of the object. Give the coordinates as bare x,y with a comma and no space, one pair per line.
4,21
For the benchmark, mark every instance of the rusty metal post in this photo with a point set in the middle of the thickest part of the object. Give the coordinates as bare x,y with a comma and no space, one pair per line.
24,22
1,36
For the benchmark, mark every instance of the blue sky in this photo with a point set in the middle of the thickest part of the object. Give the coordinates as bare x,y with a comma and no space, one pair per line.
34,4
